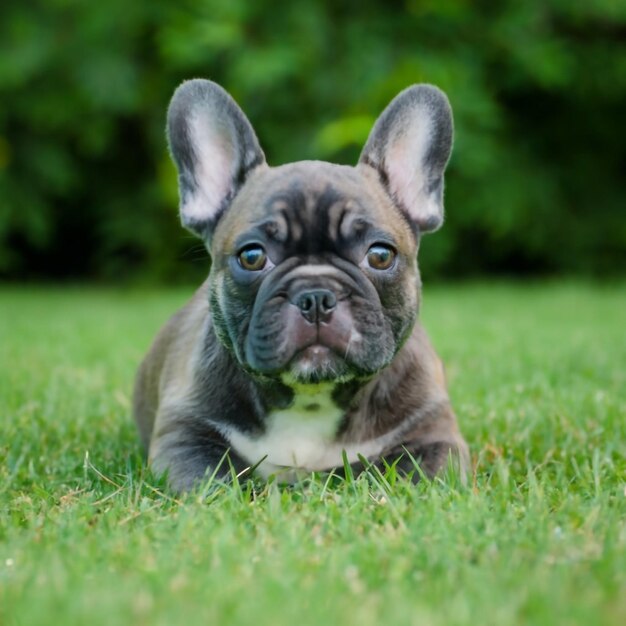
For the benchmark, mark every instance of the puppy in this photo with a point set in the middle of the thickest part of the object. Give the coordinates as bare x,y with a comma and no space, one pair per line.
302,348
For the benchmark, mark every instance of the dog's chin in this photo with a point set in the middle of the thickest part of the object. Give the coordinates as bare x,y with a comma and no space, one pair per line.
316,364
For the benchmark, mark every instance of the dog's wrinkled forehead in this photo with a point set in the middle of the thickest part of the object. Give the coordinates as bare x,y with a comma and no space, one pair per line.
312,207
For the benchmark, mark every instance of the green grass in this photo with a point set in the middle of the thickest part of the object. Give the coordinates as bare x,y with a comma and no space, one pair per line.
538,378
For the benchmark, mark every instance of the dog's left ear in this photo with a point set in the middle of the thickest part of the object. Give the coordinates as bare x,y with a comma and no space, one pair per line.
214,148
409,146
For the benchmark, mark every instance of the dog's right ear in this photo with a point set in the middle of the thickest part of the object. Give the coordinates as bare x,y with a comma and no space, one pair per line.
214,148
410,146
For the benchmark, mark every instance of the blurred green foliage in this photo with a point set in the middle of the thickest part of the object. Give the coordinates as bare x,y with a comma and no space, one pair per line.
538,90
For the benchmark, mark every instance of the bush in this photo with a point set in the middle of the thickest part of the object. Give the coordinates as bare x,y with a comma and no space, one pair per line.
534,185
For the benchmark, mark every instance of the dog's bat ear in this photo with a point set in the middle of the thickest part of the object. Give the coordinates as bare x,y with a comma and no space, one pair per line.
214,148
409,146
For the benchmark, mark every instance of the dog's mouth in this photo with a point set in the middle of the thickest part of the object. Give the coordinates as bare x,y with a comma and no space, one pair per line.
317,363
315,354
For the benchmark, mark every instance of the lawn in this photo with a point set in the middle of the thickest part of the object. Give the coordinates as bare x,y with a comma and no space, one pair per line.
87,536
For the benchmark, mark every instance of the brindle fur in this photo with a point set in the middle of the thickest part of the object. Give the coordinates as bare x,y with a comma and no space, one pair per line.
187,381
208,372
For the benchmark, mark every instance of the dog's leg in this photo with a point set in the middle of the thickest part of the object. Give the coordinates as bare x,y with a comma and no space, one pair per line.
189,451
431,458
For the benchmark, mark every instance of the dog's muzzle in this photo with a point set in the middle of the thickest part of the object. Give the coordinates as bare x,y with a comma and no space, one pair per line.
316,305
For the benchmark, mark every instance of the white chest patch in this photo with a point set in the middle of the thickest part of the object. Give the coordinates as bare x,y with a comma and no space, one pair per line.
302,437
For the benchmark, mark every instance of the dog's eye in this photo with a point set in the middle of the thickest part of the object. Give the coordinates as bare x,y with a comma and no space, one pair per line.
380,257
252,258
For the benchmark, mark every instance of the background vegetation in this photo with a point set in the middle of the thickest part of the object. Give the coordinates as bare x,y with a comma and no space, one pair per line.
538,89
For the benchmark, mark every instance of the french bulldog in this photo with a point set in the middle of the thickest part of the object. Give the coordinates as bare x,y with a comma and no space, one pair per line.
302,350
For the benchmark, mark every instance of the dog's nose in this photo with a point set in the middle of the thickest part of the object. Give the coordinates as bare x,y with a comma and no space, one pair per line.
316,305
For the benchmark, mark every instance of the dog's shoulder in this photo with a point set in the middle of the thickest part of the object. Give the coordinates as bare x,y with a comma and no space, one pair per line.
167,364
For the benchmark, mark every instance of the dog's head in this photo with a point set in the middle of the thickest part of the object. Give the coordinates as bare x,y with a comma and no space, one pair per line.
314,271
